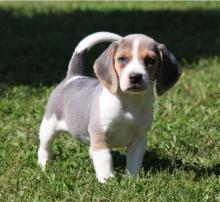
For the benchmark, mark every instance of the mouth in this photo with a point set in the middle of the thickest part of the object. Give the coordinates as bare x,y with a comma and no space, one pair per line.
136,88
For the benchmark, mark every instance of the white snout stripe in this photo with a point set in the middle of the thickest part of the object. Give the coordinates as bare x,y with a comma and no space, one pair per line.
133,67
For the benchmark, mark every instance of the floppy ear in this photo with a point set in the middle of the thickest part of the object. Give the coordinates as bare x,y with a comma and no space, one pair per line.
169,71
104,68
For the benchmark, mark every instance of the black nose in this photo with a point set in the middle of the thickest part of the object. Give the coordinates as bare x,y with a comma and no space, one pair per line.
135,78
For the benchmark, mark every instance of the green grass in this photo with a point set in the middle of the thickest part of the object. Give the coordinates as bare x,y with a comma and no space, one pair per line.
182,162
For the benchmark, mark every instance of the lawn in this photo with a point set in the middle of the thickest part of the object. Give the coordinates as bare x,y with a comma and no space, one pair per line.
182,161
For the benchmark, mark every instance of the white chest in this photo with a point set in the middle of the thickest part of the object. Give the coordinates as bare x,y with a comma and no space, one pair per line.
124,120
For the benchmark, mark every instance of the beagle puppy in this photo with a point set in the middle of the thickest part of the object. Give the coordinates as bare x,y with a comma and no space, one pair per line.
117,109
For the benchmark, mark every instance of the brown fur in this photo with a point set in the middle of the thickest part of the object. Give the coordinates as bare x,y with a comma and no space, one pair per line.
124,49
169,72
165,71
99,141
104,68
145,49
149,50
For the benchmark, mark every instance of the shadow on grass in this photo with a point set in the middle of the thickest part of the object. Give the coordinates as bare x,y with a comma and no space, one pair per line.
154,163
36,49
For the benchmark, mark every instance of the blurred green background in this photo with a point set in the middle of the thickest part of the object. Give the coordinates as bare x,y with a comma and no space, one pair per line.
38,38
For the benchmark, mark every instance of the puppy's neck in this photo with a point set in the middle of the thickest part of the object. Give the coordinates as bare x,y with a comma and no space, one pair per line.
133,98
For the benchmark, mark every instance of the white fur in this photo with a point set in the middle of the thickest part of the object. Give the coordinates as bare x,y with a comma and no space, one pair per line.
128,117
109,108
133,67
128,125
126,122
61,125
102,161
48,129
73,79
135,154
93,39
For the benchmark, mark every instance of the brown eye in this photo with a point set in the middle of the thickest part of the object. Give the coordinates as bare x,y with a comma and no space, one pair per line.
123,60
149,61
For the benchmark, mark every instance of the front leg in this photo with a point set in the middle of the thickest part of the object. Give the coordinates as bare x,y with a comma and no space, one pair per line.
135,155
101,157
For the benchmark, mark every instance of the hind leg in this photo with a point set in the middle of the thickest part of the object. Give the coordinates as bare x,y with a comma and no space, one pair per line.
46,136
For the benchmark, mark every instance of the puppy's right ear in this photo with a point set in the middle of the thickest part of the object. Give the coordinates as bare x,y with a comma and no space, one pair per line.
104,68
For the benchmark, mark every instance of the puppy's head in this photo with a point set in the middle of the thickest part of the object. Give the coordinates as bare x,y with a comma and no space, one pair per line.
134,62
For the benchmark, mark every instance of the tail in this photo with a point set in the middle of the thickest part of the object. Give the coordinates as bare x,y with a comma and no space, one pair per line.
76,63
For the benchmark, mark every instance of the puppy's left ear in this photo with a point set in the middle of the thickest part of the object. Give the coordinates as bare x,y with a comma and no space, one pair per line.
104,68
169,71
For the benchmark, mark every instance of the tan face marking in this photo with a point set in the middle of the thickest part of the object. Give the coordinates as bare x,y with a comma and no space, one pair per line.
150,57
124,50
141,56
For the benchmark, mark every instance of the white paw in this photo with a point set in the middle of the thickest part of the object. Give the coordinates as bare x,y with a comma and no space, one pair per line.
102,161
42,163
102,178
43,157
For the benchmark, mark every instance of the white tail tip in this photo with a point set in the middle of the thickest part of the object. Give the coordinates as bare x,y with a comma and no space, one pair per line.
93,39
